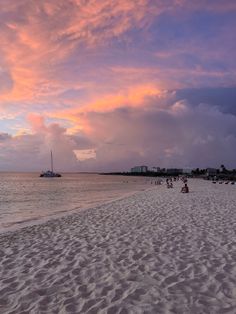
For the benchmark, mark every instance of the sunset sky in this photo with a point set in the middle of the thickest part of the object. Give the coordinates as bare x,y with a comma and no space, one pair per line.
111,84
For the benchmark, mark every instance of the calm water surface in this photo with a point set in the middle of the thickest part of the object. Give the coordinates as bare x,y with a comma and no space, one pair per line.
25,198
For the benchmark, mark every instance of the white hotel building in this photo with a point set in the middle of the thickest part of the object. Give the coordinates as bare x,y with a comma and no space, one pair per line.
140,169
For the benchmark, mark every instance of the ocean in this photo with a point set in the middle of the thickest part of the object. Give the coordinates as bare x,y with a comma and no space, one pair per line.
26,199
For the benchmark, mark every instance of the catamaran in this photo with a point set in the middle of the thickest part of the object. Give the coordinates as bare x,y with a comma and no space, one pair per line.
50,173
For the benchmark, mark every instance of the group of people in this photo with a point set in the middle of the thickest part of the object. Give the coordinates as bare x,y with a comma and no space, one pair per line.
184,189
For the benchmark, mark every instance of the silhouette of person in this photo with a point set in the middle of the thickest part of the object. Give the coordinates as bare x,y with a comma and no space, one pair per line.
185,188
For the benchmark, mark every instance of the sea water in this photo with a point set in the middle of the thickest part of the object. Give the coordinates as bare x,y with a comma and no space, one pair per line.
25,198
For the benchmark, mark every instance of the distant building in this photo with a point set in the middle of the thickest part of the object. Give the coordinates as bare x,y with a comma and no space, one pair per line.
156,169
187,171
211,171
140,169
174,171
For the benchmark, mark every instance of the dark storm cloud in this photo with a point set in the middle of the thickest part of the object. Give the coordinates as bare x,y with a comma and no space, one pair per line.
224,98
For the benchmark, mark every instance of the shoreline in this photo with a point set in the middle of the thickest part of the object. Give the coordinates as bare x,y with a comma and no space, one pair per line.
155,251
29,223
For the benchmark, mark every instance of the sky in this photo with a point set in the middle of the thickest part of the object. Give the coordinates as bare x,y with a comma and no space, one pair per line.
111,84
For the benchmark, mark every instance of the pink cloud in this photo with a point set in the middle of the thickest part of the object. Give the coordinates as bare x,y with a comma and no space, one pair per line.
37,38
50,48
164,133
179,135
31,151
40,38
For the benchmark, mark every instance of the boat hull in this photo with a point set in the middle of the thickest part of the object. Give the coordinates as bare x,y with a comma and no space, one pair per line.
50,174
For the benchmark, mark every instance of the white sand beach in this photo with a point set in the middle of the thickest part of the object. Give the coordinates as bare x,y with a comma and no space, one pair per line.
157,251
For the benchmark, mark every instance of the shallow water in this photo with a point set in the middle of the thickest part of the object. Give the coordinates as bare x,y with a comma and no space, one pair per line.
27,198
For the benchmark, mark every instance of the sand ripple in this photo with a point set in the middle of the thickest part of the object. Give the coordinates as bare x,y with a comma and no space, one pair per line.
158,251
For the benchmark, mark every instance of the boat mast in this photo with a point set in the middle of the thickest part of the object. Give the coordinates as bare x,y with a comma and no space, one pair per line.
51,162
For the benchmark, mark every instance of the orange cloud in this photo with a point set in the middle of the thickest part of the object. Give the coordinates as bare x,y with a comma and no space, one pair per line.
34,45
42,41
37,122
131,97
38,38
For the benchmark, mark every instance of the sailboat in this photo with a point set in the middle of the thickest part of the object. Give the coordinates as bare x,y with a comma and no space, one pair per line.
50,173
